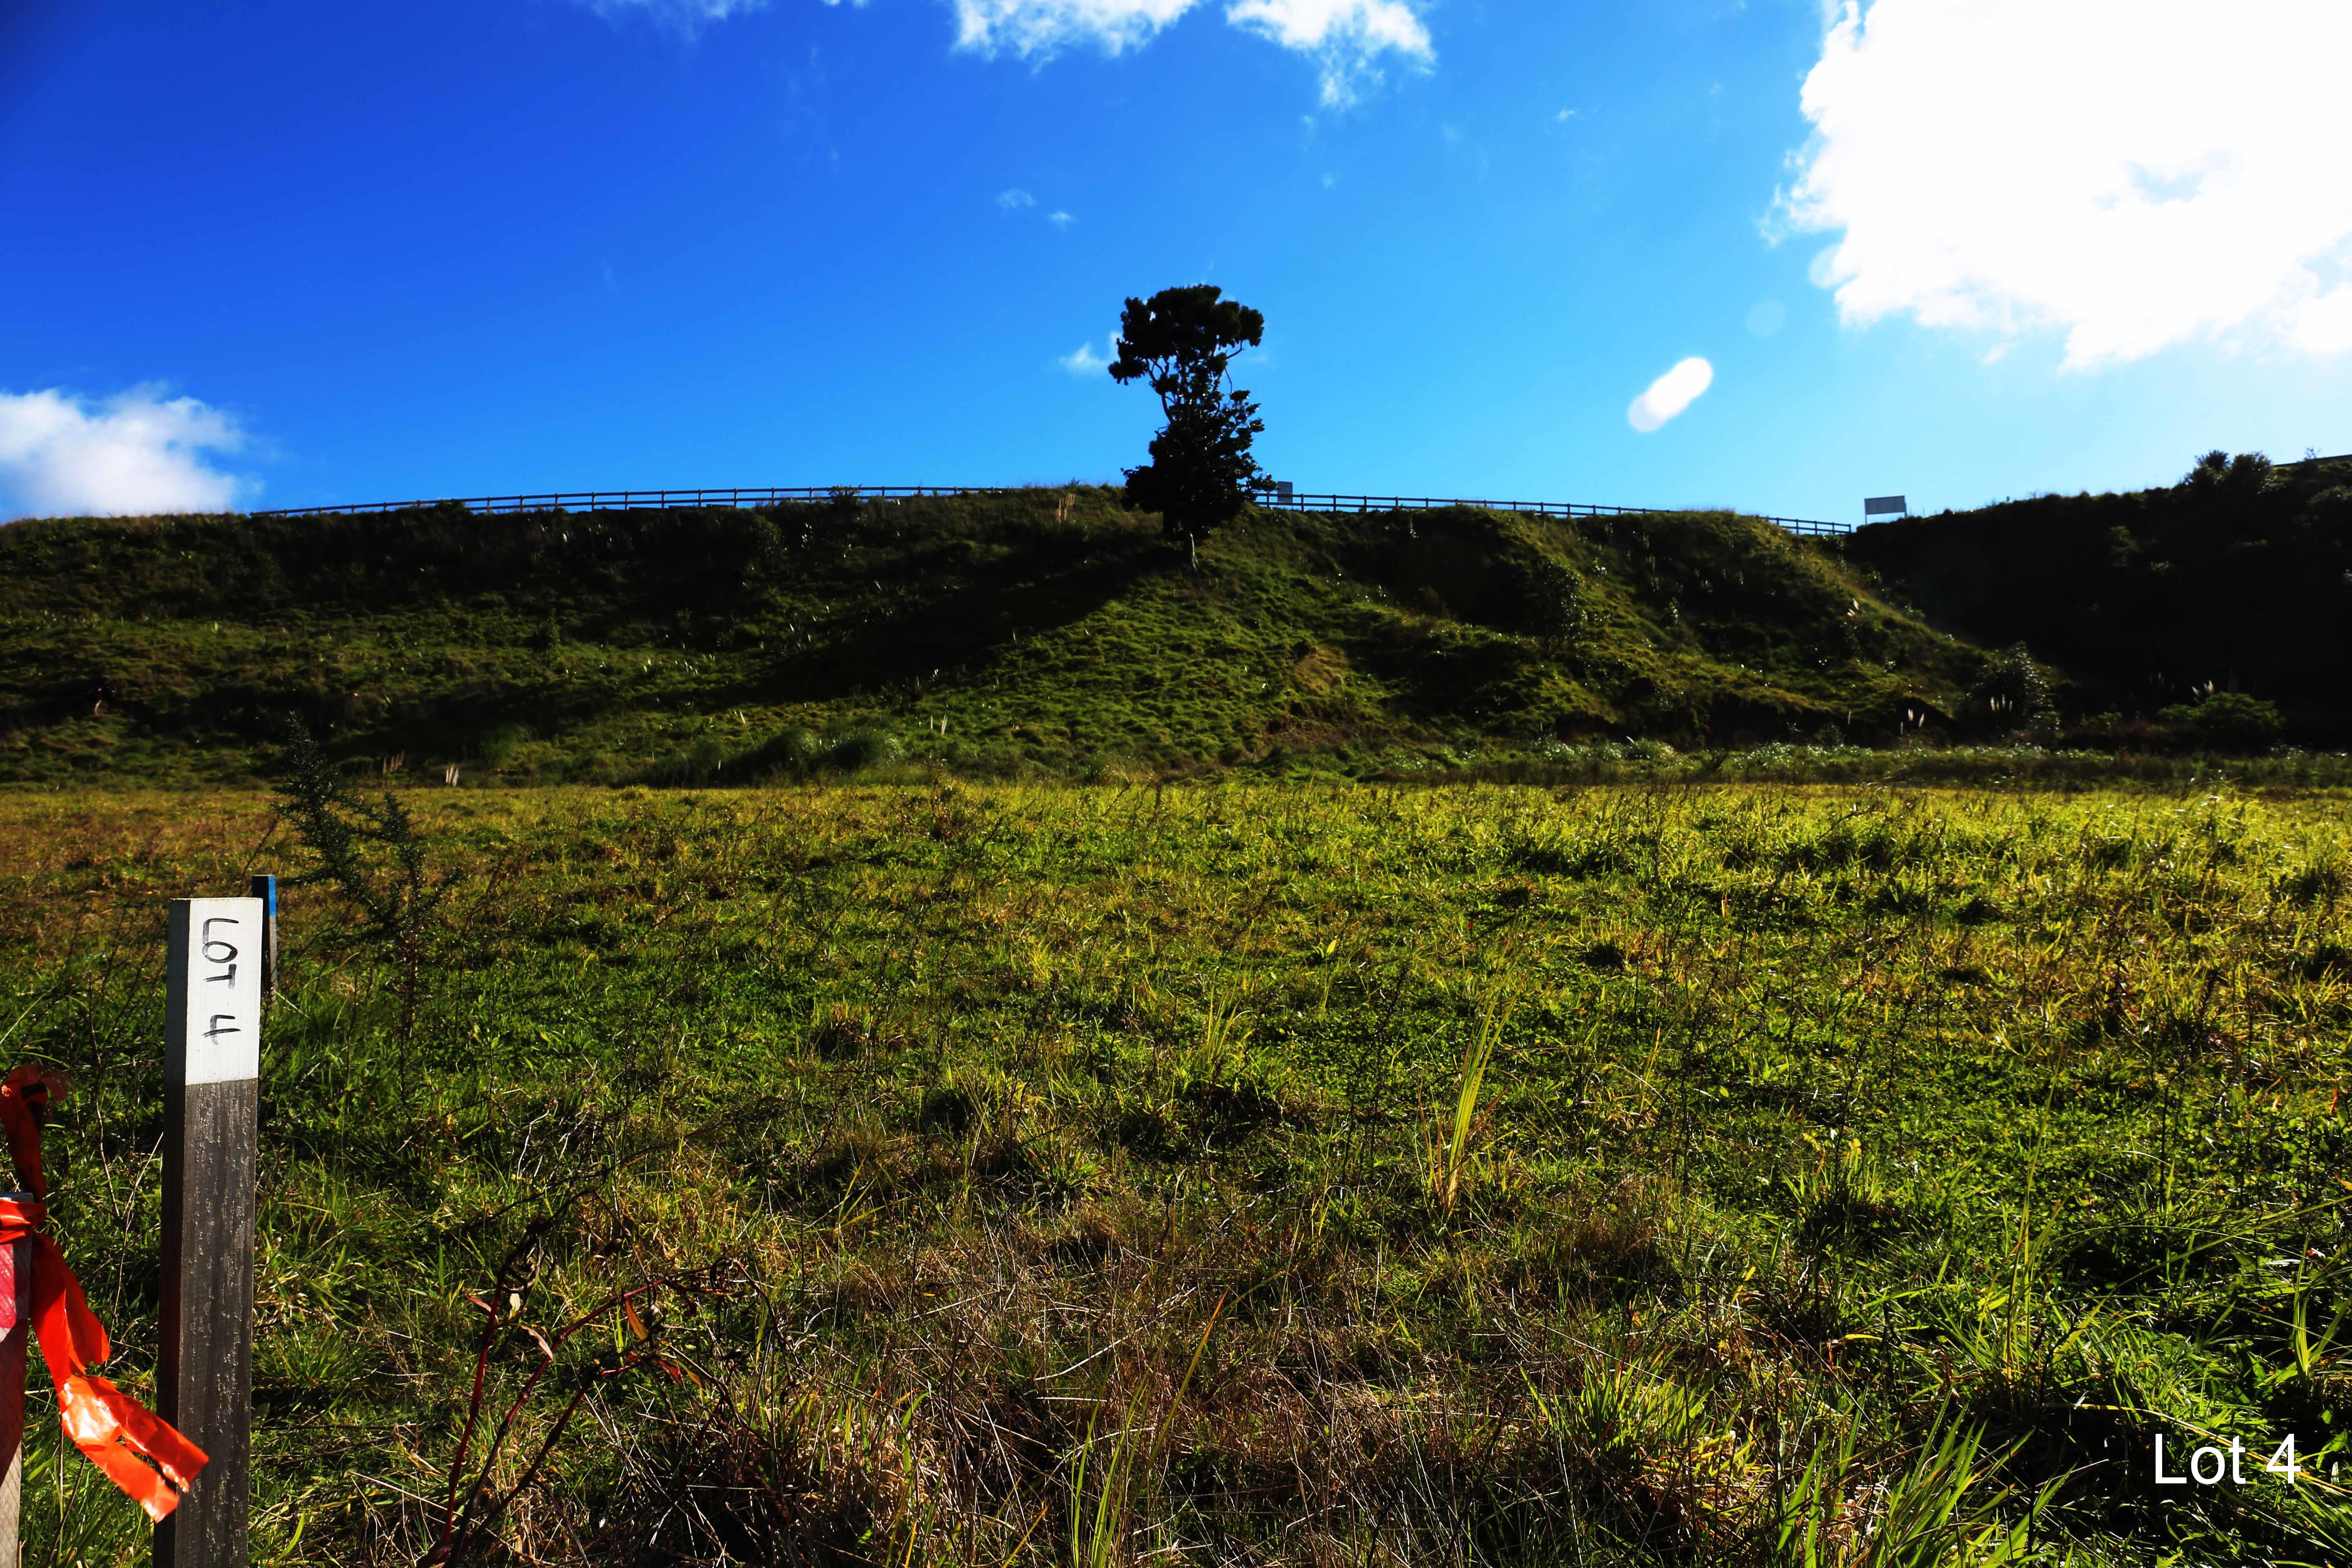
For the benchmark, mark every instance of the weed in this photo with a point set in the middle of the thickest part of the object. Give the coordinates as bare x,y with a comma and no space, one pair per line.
1449,1145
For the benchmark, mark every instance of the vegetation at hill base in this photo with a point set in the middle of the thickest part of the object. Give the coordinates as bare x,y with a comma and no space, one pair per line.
2236,580
1251,1174
1046,630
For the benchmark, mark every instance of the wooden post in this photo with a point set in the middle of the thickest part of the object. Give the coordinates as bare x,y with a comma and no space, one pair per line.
17,1308
212,1069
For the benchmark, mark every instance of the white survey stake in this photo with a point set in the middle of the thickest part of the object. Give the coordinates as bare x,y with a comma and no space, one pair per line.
216,953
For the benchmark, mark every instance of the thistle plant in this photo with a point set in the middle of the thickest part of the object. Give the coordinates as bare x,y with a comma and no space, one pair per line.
372,854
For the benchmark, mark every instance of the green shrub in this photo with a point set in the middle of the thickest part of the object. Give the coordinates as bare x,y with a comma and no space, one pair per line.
797,753
502,744
1555,603
2217,472
2330,511
792,751
868,746
2013,691
2225,721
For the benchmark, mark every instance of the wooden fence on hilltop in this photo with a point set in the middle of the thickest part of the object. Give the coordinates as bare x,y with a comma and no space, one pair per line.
655,500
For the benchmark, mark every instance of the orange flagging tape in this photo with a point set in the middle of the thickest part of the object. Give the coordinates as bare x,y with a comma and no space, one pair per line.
114,1431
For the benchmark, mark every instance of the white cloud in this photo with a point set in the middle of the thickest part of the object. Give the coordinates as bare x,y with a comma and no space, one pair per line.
1083,361
1346,37
1060,219
1038,29
1670,394
2135,173
135,453
686,17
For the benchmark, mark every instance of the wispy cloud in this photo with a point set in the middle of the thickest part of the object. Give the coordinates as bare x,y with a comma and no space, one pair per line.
1670,394
1346,38
684,17
1039,29
137,452
1018,200
1083,361
2133,173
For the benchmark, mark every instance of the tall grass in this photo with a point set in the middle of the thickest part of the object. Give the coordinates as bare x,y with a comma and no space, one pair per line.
1450,1146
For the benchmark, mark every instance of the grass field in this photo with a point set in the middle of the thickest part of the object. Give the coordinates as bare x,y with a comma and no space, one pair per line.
1737,1173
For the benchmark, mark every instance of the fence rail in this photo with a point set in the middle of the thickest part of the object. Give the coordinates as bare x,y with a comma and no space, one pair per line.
1320,501
1297,501
647,501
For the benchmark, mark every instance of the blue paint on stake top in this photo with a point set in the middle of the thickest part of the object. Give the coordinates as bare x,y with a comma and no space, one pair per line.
265,888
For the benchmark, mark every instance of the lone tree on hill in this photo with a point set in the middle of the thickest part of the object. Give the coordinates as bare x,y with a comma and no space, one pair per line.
1182,341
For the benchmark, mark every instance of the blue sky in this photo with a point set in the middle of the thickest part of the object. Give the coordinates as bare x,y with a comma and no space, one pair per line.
269,254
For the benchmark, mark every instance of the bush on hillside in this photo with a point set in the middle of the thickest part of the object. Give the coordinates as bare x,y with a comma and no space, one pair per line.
2248,473
2225,721
500,746
801,752
2329,513
2014,691
792,750
867,746
1554,602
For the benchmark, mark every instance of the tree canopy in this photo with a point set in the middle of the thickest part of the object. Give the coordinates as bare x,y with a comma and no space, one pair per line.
1180,342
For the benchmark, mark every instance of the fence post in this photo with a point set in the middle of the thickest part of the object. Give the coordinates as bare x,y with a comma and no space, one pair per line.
211,1069
16,1306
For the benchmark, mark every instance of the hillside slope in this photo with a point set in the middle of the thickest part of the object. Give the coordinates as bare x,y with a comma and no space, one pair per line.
1042,629
2241,576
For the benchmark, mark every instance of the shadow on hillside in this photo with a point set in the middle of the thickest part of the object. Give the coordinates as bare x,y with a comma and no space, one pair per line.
400,633
955,621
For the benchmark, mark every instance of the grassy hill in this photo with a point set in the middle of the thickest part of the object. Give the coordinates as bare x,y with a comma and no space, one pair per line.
1040,629
2241,576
